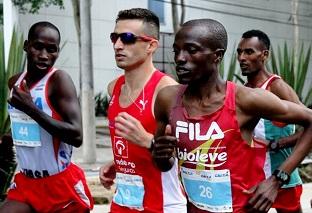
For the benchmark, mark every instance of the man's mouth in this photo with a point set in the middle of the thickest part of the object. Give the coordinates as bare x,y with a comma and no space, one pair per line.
42,66
243,66
182,70
119,56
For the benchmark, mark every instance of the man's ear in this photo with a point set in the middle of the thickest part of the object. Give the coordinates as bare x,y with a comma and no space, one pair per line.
266,54
153,45
219,55
25,45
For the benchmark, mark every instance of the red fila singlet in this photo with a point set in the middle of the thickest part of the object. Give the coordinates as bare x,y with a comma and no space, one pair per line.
216,163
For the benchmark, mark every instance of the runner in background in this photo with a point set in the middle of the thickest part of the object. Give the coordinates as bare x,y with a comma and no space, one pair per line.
252,54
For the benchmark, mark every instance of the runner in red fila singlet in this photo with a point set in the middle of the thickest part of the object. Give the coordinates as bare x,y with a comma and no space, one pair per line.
208,124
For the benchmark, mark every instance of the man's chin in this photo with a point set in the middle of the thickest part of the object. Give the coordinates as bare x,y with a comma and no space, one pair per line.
121,65
245,73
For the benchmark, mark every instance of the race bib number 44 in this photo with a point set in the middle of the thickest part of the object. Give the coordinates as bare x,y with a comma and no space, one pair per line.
25,131
208,190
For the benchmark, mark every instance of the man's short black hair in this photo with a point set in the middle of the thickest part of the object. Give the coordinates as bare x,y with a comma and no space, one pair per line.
150,20
260,35
216,33
33,29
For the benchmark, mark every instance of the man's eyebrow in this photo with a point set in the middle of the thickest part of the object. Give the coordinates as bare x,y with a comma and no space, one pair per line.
244,49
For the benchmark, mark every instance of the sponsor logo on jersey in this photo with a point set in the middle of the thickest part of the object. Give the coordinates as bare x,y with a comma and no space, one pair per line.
203,155
211,159
35,173
194,131
120,147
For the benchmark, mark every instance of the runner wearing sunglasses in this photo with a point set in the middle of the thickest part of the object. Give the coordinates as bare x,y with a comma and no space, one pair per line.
140,185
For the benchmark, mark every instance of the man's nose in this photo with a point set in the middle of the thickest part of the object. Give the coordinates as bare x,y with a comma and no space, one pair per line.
118,44
241,57
180,57
44,54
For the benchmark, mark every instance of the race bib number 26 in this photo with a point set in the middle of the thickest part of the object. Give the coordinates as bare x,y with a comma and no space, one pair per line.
208,190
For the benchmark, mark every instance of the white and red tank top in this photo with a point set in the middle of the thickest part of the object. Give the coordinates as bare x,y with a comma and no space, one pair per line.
216,164
39,154
267,131
140,184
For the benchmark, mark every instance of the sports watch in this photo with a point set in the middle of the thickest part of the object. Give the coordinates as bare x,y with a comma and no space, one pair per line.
274,145
281,176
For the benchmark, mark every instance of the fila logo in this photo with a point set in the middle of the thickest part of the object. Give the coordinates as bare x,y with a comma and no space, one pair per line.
193,131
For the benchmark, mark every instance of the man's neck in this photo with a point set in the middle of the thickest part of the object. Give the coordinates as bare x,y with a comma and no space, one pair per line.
33,76
136,78
255,81
208,88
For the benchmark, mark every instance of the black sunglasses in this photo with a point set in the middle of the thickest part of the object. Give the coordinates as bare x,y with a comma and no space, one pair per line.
128,38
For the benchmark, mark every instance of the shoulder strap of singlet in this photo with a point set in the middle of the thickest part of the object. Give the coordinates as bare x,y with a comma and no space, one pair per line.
157,75
117,87
154,80
51,72
230,95
20,78
269,81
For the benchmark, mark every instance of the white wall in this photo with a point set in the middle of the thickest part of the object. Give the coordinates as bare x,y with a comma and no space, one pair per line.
10,18
271,16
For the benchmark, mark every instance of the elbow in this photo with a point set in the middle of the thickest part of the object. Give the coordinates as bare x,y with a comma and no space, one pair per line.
75,138
77,142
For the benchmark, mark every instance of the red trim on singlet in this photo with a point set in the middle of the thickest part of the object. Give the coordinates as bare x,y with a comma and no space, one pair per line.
55,115
273,78
35,84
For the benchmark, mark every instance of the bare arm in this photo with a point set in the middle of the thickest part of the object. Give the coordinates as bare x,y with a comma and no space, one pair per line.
282,90
165,143
288,141
63,97
259,103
